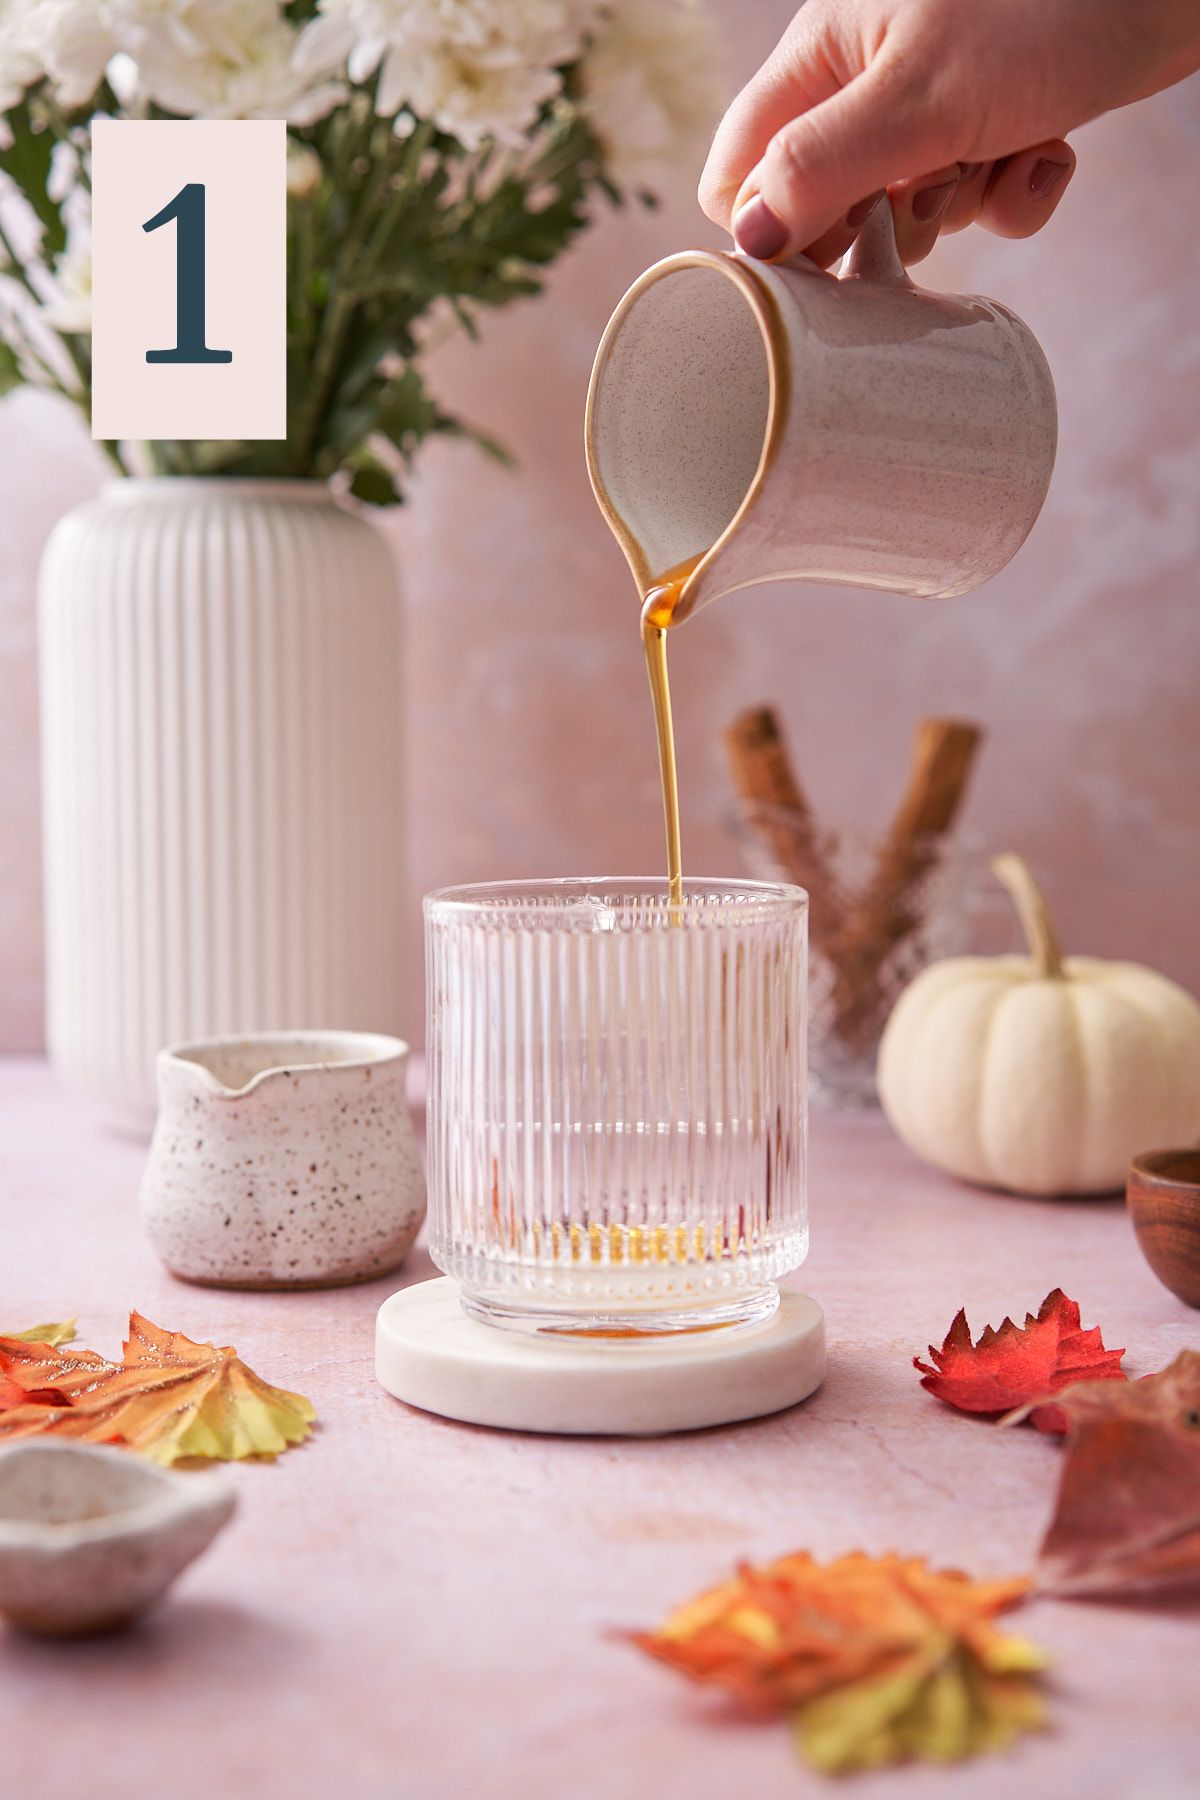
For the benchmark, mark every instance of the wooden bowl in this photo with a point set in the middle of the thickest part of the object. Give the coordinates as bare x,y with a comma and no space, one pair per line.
1163,1195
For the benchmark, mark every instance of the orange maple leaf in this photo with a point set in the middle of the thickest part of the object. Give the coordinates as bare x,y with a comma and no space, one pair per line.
787,1631
1012,1365
12,1394
169,1398
875,1656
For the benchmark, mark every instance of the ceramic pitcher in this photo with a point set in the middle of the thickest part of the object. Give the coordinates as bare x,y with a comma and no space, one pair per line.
782,422
283,1160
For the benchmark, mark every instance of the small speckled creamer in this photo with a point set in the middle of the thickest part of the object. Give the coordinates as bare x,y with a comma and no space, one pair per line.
283,1160
783,423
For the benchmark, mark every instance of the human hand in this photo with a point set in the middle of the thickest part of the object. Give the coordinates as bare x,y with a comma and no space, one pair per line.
956,107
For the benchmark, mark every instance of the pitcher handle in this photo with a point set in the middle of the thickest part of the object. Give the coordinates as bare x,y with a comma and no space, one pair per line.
873,253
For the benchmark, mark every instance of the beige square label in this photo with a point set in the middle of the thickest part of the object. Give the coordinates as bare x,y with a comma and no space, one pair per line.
189,272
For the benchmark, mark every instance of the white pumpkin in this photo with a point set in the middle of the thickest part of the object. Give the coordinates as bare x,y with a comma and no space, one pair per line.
1040,1074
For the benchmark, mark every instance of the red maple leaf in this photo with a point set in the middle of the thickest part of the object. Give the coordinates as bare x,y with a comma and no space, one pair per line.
1015,1364
1128,1509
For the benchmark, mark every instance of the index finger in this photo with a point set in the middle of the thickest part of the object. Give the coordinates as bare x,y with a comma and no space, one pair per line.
790,82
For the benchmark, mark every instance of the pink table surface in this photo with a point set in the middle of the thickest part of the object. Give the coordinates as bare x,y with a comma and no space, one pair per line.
410,1609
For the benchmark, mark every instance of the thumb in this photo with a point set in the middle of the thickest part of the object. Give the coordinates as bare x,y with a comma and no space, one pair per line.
818,166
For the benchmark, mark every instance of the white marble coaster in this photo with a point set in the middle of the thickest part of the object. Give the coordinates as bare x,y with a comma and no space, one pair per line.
429,1353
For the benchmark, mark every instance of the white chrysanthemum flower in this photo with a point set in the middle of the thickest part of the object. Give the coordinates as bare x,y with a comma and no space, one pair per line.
474,68
216,59
20,50
77,39
223,59
653,89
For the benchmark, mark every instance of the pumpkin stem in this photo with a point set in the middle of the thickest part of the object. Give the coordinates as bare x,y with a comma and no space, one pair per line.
1045,947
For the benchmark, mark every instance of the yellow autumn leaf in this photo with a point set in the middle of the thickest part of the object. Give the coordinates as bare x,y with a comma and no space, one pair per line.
943,1709
62,1333
877,1659
169,1398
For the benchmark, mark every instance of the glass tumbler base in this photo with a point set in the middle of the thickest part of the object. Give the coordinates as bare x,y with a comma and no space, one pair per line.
754,1307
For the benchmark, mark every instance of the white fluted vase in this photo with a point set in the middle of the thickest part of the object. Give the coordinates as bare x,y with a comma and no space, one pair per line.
222,773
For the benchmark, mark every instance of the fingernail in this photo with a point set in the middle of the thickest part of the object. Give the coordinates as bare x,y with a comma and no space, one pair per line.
931,202
1045,176
860,213
757,231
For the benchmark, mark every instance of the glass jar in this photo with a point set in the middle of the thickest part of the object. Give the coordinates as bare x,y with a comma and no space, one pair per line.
616,1101
876,923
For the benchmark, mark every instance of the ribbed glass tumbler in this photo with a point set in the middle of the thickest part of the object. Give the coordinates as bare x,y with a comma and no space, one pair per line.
616,1101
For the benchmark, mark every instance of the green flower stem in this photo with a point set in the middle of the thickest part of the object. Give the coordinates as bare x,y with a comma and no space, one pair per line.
352,134
69,343
62,131
80,397
339,313
34,356
113,452
16,268
415,146
305,246
51,384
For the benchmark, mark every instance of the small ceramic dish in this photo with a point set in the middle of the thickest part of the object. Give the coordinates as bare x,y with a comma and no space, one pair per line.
283,1160
91,1536
1163,1196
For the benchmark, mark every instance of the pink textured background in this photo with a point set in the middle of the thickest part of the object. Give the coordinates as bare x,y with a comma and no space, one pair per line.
531,747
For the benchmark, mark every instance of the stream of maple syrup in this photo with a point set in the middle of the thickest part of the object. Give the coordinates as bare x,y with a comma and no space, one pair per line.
659,602
635,1244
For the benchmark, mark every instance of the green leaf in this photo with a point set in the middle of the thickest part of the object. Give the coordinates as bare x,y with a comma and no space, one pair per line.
374,484
26,160
482,440
406,412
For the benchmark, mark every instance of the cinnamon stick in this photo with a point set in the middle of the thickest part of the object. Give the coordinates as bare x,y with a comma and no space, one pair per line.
759,761
943,756
857,937
774,803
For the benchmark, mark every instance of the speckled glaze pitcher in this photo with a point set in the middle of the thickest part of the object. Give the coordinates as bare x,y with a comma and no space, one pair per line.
781,422
283,1160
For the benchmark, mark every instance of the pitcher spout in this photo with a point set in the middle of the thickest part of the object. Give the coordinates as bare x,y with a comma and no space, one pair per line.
685,413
